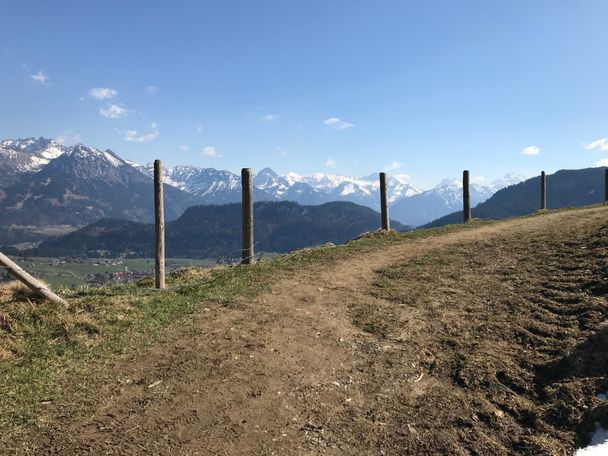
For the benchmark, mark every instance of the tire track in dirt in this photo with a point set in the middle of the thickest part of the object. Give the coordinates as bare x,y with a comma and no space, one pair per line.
280,375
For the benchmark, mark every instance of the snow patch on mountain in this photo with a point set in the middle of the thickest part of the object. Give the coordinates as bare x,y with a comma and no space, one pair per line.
28,154
113,159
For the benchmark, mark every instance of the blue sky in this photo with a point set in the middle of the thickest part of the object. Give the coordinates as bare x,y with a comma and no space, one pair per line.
423,88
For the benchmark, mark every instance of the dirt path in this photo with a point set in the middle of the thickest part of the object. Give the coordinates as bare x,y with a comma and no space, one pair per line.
288,373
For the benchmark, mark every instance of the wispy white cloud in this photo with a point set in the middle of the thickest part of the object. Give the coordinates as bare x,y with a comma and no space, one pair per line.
211,151
392,166
113,111
337,124
269,117
330,162
479,180
135,136
281,152
199,127
151,90
184,147
40,77
102,93
531,150
599,144
602,162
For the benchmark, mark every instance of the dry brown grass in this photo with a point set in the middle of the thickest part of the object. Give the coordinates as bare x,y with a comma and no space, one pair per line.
510,328
15,299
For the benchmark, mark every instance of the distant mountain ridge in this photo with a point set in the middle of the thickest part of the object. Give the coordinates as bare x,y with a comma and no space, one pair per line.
45,183
215,231
220,186
565,188
409,204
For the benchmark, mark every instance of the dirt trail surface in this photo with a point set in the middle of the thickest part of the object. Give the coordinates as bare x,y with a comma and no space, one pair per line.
455,344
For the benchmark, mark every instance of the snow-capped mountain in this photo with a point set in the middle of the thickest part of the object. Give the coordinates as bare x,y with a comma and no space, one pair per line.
82,185
271,182
445,198
208,185
18,156
506,181
215,186
82,161
46,149
320,187
205,182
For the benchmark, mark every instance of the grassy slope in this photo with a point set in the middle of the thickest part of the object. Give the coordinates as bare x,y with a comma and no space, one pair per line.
41,342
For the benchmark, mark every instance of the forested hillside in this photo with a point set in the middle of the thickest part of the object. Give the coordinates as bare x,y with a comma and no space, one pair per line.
215,231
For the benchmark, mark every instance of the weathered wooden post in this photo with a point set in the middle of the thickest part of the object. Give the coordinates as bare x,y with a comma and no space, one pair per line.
606,185
35,285
543,190
247,186
384,203
159,221
466,198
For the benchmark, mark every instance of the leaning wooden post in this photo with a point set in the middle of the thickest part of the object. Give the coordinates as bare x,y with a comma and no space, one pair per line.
606,185
384,203
35,285
159,221
543,190
466,198
247,185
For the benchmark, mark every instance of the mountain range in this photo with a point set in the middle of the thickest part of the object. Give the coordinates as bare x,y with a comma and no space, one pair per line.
408,204
44,183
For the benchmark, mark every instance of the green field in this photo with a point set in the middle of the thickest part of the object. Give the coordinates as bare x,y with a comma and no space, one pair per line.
74,273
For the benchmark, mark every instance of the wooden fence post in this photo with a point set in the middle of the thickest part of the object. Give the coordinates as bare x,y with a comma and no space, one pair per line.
159,221
466,198
543,190
247,191
384,203
606,185
35,285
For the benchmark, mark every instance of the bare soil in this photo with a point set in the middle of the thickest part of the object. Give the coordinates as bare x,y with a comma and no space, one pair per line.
481,341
